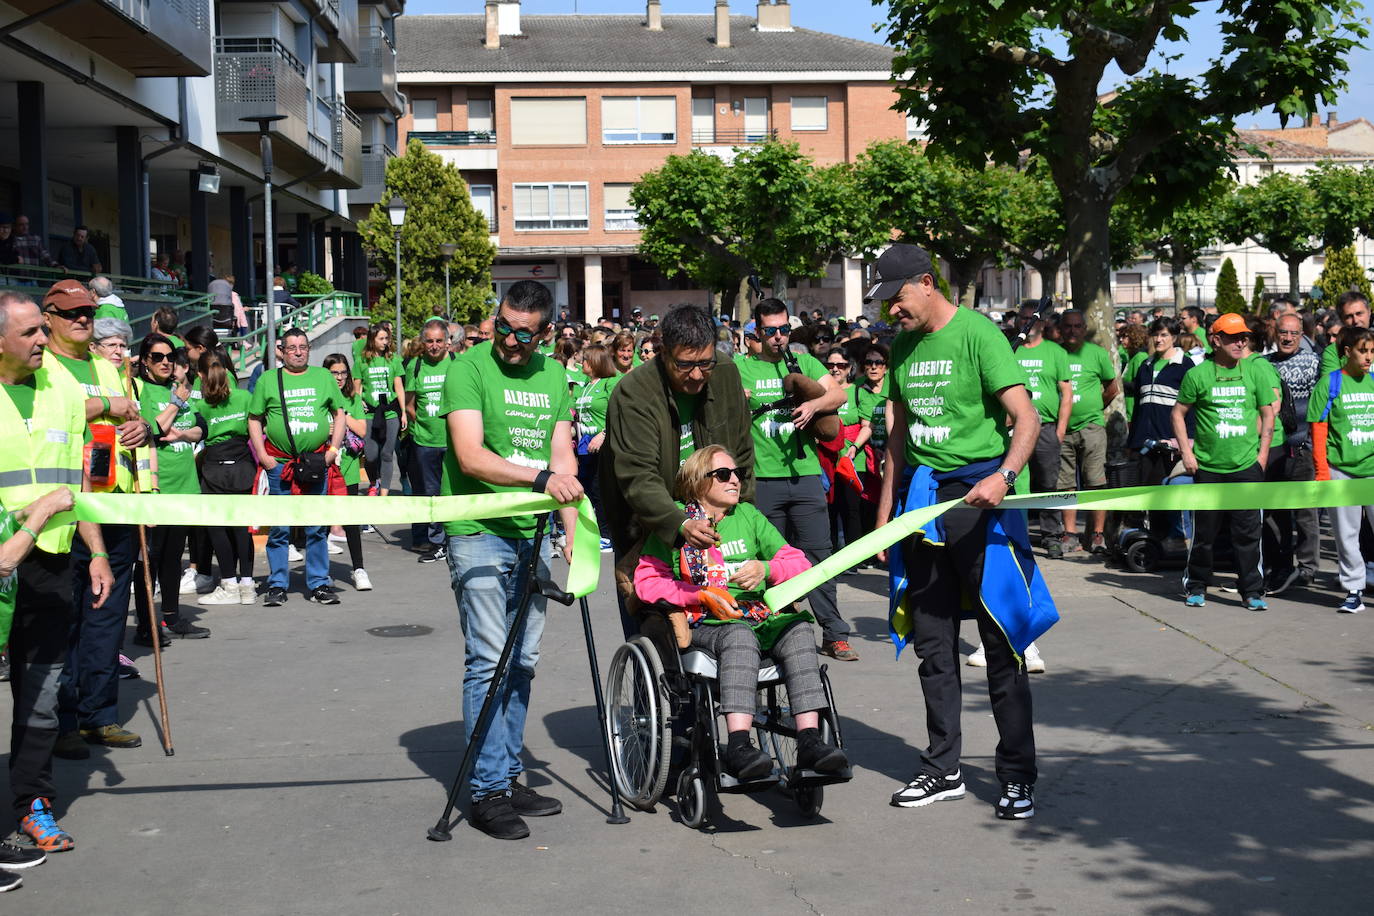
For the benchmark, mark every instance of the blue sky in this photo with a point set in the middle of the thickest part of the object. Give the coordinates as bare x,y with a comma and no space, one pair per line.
856,19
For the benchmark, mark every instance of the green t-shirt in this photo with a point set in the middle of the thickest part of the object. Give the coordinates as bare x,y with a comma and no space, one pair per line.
1128,379
686,413
873,405
176,461
426,381
1331,359
1089,369
948,382
312,396
350,463
745,534
780,449
22,395
226,420
520,407
376,375
1267,369
1227,403
9,585
1046,365
110,310
1350,425
591,400
851,412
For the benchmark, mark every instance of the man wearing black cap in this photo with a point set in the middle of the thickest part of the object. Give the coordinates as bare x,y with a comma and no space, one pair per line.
954,382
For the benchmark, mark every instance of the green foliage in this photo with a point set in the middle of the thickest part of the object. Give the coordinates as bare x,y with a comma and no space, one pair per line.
1229,297
1343,273
1180,234
312,284
439,211
1257,303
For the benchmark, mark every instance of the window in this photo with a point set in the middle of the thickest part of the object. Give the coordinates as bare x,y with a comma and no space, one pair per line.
479,115
484,202
808,112
561,205
1128,289
548,122
620,213
915,128
703,121
639,119
755,120
424,114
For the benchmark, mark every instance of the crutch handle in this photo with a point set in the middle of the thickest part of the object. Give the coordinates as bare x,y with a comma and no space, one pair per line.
554,593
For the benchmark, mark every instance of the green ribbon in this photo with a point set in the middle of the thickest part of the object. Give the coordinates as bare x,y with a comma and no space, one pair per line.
256,511
1197,497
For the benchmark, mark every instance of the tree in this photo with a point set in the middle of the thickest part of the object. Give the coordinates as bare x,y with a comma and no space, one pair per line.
1178,235
1343,273
439,210
1229,297
985,80
1257,303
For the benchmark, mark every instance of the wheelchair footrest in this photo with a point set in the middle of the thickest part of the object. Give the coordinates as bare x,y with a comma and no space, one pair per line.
796,778
730,784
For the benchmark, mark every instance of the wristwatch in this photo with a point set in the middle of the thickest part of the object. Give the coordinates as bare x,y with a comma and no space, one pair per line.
1008,475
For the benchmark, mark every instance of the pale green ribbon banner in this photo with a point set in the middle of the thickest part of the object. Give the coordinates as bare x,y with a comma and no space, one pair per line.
1314,494
170,509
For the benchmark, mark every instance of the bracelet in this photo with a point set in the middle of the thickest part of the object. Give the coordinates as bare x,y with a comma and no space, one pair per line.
27,530
100,556
541,481
106,402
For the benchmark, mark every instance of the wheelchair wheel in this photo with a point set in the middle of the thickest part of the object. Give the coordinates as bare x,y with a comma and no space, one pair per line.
691,798
1143,556
775,726
809,799
637,723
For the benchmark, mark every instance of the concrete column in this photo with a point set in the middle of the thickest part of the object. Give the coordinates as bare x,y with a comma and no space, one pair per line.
32,136
199,256
305,243
240,242
317,235
336,254
133,235
591,279
355,264
853,287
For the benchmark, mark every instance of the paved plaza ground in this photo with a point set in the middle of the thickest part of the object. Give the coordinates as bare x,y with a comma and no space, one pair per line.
1191,761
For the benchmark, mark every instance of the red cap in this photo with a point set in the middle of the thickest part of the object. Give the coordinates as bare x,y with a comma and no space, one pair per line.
68,294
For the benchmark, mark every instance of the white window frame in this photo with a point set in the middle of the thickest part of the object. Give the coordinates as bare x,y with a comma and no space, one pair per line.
618,220
549,187
825,113
639,137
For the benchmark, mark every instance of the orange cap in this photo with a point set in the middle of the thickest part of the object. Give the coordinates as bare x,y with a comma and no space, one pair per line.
1229,324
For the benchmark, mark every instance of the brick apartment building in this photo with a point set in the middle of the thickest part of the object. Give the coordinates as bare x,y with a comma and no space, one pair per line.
551,120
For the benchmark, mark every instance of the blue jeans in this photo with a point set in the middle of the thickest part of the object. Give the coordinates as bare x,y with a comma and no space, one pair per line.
316,550
487,573
426,475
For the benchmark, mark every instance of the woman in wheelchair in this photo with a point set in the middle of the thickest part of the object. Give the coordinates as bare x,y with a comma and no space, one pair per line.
719,590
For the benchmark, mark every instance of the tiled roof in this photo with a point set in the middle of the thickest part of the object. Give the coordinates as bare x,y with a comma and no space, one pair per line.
454,44
1278,148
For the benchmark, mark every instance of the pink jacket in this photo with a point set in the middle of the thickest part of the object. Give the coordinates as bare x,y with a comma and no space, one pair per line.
655,581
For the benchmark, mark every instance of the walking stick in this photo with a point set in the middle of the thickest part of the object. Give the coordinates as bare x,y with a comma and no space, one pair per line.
617,815
154,624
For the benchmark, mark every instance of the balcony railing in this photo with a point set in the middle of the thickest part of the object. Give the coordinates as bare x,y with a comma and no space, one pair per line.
454,137
348,140
196,12
732,137
256,77
133,10
371,83
375,157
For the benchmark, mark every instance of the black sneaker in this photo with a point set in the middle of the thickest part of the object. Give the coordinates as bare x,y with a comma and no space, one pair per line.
9,881
1054,548
1017,801
495,816
926,789
274,597
746,762
146,639
323,595
1282,581
185,629
433,555
819,756
530,803
13,856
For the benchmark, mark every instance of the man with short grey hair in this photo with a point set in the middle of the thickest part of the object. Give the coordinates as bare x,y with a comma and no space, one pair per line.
1293,460
107,303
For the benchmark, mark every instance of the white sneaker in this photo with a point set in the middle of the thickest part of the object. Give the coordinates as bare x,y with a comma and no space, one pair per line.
225,594
338,537
1034,663
360,580
292,554
188,582
248,592
978,658
334,548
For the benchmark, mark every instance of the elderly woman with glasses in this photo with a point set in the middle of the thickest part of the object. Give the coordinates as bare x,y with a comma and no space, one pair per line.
110,339
719,591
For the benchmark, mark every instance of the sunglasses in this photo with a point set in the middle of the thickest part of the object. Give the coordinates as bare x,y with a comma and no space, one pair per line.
473,340
837,365
505,330
724,474
648,349
826,339
157,356
687,365
782,330
875,362
76,314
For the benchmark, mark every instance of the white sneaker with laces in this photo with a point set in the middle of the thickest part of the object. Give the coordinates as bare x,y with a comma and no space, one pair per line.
333,548
224,594
248,592
188,582
292,554
977,658
925,789
361,581
1034,663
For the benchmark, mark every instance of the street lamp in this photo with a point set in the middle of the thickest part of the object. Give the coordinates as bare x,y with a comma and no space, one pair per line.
1198,272
446,251
269,243
396,212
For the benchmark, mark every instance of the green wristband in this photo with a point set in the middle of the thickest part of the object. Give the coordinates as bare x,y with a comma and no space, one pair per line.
102,556
29,531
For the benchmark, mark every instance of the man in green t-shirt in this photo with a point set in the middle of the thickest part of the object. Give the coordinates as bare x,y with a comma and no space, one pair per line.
1083,454
424,389
510,430
1353,310
790,491
1235,404
1046,365
296,410
953,383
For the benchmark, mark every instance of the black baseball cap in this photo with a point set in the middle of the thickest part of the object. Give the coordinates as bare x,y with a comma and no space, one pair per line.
899,263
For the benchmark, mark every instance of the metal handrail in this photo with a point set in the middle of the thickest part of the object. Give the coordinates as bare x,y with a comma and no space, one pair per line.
259,46
380,149
35,274
712,137
453,137
314,310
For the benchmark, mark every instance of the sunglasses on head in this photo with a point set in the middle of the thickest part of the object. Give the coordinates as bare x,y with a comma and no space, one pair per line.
76,314
521,335
724,474
157,356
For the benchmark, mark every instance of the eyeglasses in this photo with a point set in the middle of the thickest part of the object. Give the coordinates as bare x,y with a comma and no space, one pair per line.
157,356
297,349
110,344
505,330
1290,333
724,474
687,365
875,362
648,349
76,314
780,330
339,373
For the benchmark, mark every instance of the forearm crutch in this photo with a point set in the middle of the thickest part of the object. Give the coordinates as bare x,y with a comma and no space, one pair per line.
617,815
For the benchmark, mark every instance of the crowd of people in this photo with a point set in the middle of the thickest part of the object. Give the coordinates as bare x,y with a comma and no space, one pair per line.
719,455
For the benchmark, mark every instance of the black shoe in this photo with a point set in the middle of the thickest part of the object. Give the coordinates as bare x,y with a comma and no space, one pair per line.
530,803
495,816
1054,548
146,639
4,667
925,789
9,881
815,754
323,595
1281,581
745,762
433,555
274,597
1017,801
185,629
12,856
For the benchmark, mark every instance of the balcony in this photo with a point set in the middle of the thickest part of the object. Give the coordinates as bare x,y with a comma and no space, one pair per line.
454,137
371,84
259,77
732,137
467,150
144,37
340,20
374,158
345,153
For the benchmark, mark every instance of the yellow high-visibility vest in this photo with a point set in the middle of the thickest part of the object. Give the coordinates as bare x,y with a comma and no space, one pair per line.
44,452
110,384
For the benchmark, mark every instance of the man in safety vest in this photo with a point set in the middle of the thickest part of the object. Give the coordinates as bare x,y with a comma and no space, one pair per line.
43,424
89,696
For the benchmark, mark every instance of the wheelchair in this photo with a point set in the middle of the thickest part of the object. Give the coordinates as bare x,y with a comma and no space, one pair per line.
651,684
